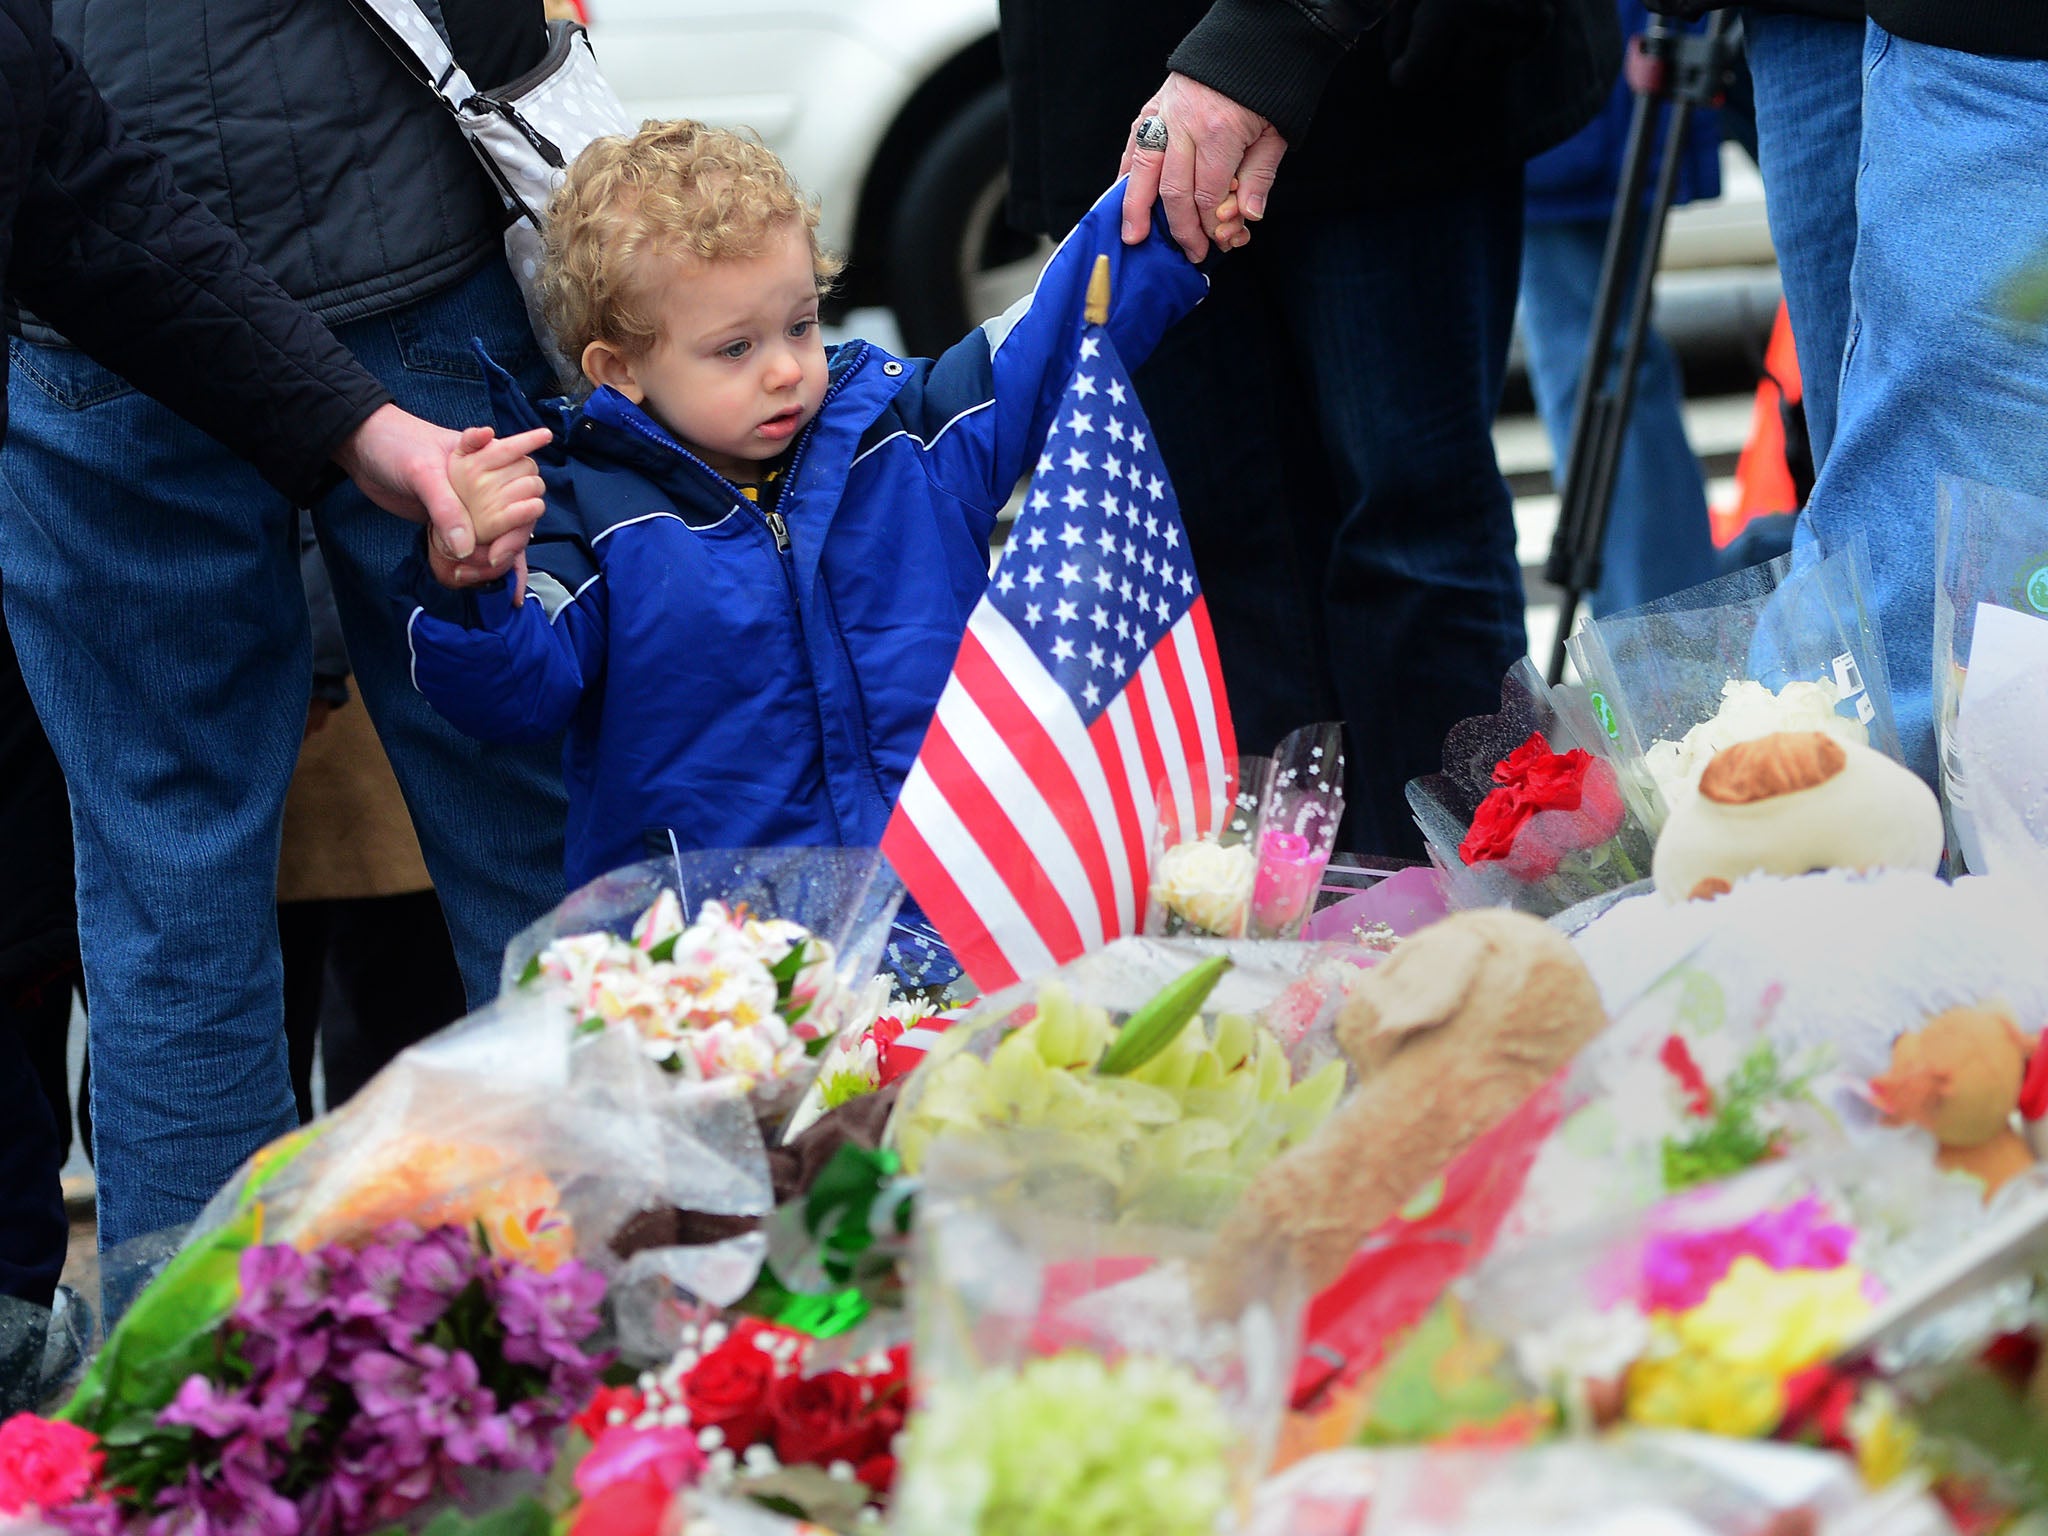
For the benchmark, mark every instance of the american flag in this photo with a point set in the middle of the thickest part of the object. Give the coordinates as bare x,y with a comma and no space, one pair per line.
1086,694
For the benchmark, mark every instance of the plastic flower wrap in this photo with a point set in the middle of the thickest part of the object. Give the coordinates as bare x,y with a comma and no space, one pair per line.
726,967
1243,858
1523,815
1150,1079
1068,1385
1762,650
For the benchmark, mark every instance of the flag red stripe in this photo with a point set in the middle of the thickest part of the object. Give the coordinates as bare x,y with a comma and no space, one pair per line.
1148,742
958,921
1212,663
1135,824
1040,757
1166,656
982,813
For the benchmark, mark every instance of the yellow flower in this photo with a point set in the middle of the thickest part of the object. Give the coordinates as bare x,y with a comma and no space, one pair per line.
1722,1366
1885,1442
1680,1388
1777,1321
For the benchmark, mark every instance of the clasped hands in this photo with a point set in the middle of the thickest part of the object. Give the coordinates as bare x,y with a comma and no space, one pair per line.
1214,174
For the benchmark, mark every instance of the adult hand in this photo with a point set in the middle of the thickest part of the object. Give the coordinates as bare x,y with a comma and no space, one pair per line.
401,463
1210,140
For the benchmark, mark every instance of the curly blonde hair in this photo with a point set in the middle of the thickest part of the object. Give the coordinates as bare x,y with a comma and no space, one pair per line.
671,190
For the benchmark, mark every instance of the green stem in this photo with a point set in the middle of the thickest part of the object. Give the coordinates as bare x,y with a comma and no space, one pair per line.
1626,864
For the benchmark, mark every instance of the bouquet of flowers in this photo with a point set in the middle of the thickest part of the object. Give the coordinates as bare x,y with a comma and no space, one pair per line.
1243,859
1169,1111
1523,815
1760,651
747,987
342,1389
745,1411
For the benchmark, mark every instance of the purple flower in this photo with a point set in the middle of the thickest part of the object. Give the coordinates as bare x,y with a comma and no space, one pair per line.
283,1290
383,1291
95,1519
200,1405
547,1317
198,1507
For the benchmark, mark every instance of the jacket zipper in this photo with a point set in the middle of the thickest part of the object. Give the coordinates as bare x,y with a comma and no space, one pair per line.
779,528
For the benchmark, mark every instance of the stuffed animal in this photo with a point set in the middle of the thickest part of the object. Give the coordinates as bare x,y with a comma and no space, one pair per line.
1450,1035
1961,1077
1793,802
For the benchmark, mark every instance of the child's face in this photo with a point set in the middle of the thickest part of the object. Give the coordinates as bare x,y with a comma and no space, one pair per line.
739,369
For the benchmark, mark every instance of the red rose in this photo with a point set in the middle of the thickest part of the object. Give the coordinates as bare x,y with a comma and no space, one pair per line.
821,1419
45,1463
728,1391
595,1419
877,1472
636,1507
1495,824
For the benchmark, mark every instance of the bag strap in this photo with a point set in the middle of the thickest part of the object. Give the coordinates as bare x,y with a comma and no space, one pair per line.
417,35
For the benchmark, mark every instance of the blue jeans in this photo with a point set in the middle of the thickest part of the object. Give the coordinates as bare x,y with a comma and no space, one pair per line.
1328,414
1658,539
1937,378
1809,128
153,594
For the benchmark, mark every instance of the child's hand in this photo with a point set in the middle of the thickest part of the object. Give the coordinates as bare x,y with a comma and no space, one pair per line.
501,489
1231,230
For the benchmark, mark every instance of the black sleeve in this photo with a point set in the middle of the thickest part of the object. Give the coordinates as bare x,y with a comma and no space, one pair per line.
1274,56
147,282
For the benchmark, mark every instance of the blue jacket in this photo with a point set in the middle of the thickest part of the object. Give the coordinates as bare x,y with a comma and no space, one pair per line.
733,677
1581,178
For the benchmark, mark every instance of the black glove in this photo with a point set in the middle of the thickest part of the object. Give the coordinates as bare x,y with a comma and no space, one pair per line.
1429,39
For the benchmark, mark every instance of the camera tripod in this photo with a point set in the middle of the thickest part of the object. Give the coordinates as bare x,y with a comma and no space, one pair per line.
1688,71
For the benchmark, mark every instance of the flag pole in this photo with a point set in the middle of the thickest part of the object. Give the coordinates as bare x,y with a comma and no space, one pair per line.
1097,310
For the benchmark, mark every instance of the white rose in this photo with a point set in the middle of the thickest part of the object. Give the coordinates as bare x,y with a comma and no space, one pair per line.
1206,884
1590,1346
1749,710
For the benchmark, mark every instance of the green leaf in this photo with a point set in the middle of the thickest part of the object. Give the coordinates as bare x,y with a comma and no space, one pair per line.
666,949
531,974
591,1026
523,1517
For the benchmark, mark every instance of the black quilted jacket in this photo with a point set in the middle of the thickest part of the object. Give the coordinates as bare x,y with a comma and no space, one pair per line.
96,240
1318,71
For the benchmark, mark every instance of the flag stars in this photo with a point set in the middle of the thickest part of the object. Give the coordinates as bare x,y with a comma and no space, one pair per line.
1117,392
1124,588
1081,423
1103,579
1134,476
1146,561
1065,611
1084,385
1106,542
1034,576
1077,461
1155,488
1006,582
1070,573
1151,526
1187,582
1116,665
1123,630
1045,462
1130,555
1075,498
1096,654
1092,694
1035,538
1172,537
1091,346
1137,441
1070,534
1113,467
1034,615
1063,649
1115,427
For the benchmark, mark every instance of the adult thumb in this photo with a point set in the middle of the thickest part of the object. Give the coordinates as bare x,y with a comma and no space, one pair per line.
1256,171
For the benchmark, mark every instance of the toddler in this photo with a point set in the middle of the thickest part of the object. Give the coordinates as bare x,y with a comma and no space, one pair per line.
757,554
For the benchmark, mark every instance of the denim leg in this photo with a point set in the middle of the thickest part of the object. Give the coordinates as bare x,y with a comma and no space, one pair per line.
1658,539
1809,126
1400,319
153,596
489,818
1937,379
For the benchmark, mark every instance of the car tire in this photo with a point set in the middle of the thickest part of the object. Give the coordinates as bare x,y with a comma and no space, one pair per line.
953,257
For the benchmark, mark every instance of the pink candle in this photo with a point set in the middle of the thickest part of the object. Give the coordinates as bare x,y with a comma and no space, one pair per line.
1289,870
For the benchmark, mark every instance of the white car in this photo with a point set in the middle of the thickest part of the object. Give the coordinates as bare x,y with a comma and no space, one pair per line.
892,113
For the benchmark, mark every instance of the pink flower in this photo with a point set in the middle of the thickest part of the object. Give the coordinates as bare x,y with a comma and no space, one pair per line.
45,1464
669,1456
1680,1268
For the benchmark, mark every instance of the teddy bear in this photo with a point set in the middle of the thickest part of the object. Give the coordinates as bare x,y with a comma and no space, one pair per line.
1450,1035
1961,1077
1792,802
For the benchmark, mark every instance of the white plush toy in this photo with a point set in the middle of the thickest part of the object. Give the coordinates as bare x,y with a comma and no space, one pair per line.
1793,802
